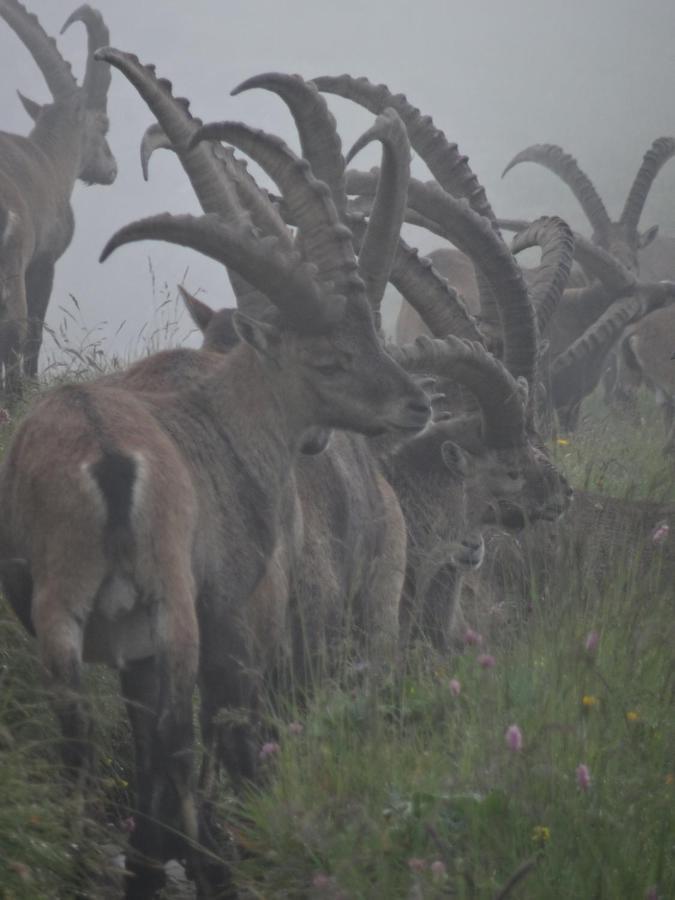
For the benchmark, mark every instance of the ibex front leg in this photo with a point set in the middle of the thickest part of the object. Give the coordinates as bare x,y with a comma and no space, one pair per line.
39,281
12,321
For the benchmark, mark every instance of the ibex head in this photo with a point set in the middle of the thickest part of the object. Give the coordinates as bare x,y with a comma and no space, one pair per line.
513,480
87,104
317,336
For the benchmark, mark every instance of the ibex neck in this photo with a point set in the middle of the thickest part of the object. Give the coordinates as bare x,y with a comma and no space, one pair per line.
250,401
61,142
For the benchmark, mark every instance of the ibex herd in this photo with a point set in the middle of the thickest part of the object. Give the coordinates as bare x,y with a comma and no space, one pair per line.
209,517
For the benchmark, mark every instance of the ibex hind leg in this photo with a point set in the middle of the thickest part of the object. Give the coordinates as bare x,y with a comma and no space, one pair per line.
59,619
164,738
228,738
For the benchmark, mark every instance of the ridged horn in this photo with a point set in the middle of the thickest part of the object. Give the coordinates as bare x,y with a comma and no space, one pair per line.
325,240
556,240
513,224
218,180
55,70
602,265
595,261
567,168
448,166
290,283
654,159
378,248
433,299
317,129
154,138
495,389
474,236
214,192
97,77
577,371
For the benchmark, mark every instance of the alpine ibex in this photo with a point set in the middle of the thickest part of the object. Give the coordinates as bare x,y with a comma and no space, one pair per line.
37,176
177,129
180,506
515,483
635,250
603,544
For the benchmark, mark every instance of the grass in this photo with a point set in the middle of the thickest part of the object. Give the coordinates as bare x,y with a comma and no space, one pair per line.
408,789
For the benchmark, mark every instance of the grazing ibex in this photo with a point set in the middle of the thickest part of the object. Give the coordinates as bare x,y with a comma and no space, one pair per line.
434,461
37,176
180,506
603,544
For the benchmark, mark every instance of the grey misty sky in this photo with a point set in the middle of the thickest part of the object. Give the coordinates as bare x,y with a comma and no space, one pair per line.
596,76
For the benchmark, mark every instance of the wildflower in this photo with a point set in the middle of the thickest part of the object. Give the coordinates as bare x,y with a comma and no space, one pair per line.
21,870
5,417
588,701
271,748
583,776
541,834
35,821
415,864
592,641
455,687
472,638
670,778
296,728
652,893
321,881
632,715
128,824
660,533
122,782
563,442
438,869
514,738
486,661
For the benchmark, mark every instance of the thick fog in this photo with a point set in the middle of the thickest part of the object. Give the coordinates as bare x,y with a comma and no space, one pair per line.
597,77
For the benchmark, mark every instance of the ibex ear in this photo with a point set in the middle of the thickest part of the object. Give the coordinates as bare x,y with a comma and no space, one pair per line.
262,336
32,108
454,458
200,313
647,236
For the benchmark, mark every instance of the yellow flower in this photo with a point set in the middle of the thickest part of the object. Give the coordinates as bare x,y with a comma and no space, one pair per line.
541,834
588,701
632,715
563,442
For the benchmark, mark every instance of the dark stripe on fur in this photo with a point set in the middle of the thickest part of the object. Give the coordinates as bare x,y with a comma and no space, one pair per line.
115,474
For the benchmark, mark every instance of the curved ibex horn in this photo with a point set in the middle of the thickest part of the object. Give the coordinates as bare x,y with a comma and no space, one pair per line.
289,282
566,167
55,70
319,140
654,159
96,77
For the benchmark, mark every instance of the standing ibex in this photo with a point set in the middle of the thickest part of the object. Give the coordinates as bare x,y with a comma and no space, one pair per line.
37,176
179,506
635,250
